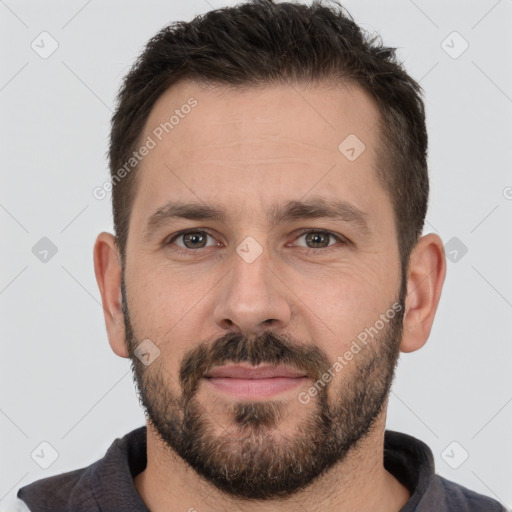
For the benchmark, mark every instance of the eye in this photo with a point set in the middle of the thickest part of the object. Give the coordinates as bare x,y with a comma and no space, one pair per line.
192,239
320,239
317,241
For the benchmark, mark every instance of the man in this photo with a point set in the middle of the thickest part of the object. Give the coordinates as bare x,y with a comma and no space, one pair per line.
269,186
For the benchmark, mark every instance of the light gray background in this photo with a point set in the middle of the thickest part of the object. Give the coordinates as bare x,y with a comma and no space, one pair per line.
60,381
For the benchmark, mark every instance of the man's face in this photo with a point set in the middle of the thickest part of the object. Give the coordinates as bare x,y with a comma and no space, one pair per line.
258,287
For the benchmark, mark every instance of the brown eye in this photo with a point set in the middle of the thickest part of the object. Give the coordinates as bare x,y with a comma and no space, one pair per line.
194,240
191,239
317,239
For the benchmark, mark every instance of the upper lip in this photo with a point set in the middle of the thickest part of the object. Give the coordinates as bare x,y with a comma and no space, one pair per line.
238,371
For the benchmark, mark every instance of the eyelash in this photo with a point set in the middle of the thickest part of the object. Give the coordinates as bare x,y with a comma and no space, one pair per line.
308,252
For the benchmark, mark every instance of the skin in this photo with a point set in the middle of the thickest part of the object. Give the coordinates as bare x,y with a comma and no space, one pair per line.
245,151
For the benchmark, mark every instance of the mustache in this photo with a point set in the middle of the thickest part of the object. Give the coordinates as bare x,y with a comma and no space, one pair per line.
267,347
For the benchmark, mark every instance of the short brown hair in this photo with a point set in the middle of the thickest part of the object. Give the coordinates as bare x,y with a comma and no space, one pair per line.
258,43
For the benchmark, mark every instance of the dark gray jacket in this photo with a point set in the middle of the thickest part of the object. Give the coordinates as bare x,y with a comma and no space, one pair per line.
107,485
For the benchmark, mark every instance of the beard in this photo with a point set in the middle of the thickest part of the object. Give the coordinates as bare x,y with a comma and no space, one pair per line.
250,457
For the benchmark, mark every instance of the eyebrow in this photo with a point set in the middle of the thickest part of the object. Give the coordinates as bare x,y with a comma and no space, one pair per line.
314,208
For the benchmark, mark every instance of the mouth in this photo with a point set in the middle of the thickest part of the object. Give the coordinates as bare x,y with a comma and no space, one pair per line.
250,382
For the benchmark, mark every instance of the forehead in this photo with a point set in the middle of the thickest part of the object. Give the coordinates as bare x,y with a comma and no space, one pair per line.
241,147
314,117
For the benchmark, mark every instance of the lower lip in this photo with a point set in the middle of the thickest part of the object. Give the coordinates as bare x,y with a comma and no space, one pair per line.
254,388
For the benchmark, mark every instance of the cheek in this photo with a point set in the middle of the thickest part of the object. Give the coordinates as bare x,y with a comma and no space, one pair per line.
343,306
348,291
168,307
154,307
163,293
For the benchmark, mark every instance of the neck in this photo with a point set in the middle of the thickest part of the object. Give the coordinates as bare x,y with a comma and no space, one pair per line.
358,483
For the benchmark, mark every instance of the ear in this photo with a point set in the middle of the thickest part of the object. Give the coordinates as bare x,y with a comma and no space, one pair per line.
427,270
108,270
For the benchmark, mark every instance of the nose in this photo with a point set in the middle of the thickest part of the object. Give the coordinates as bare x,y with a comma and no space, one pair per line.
252,297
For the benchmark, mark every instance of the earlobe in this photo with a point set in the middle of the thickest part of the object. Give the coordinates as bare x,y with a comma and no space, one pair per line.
108,271
427,270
